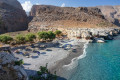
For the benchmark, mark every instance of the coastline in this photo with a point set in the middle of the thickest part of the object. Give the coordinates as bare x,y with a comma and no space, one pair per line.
67,66
59,59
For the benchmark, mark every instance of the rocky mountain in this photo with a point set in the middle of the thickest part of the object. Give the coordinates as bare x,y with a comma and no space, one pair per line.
14,3
111,13
8,69
12,16
66,17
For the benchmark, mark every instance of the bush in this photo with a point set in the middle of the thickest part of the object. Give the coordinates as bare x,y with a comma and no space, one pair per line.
30,37
57,32
20,39
43,35
41,74
20,62
5,38
51,35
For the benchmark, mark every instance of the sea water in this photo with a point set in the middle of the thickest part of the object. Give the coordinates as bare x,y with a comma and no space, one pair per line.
102,62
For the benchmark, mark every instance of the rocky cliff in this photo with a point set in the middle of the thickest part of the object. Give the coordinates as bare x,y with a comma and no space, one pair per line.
111,13
66,17
14,3
12,16
8,69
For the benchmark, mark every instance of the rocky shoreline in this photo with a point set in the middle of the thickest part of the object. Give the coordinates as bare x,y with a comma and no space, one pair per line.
93,33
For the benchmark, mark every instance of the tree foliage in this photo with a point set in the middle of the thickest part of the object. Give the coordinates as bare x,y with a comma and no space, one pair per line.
43,35
46,35
30,37
20,62
58,32
5,38
51,35
20,38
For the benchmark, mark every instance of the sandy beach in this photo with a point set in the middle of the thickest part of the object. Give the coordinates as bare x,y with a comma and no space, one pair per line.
56,56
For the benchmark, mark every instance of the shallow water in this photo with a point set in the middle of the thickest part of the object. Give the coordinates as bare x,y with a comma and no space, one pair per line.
102,62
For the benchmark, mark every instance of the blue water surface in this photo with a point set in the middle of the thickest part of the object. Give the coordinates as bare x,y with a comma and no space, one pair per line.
102,62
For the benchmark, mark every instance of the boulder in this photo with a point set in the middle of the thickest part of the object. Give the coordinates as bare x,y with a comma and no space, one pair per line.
99,40
8,69
86,34
103,34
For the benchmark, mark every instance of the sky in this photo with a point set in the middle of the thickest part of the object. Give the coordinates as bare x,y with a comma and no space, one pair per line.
27,4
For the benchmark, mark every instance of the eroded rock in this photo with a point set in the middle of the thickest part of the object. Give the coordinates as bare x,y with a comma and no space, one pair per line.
12,16
8,69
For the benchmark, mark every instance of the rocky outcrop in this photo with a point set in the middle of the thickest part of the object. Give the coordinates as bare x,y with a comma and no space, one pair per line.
14,3
8,69
12,16
111,13
46,16
92,33
98,40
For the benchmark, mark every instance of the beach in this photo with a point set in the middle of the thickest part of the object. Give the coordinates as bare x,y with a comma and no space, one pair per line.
59,57
67,65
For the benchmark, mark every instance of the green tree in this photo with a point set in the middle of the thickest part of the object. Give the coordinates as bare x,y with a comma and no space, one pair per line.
20,62
30,37
51,35
43,35
20,39
5,38
58,32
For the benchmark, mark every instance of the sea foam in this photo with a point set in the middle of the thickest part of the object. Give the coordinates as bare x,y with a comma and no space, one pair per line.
77,58
72,67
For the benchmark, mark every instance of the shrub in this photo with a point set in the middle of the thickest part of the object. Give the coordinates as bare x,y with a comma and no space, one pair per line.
20,62
30,37
5,38
20,39
41,74
43,35
51,35
58,32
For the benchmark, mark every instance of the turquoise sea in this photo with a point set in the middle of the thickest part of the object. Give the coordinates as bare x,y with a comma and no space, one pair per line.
102,62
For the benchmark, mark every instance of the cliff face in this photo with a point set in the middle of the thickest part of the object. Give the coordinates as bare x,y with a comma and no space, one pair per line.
12,16
111,13
52,16
14,3
8,69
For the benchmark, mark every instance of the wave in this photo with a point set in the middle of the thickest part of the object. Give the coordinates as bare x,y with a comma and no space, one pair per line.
80,57
71,68
84,51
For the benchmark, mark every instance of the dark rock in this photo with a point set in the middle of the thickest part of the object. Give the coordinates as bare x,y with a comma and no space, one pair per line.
12,16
